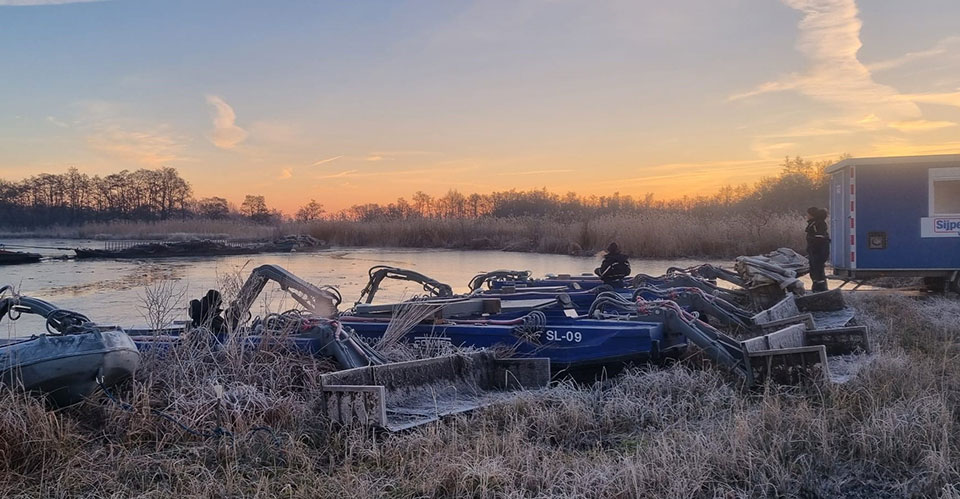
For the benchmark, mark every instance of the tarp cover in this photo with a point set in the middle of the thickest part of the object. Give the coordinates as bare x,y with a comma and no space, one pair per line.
779,267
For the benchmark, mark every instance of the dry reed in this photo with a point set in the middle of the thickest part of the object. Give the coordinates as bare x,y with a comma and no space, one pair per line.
654,235
404,318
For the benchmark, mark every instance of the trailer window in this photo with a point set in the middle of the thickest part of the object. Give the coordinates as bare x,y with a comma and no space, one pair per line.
946,197
944,191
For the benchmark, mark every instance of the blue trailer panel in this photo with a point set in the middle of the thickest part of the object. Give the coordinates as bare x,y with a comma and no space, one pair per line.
896,216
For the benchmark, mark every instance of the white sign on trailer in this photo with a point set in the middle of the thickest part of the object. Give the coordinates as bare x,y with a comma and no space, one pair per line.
940,227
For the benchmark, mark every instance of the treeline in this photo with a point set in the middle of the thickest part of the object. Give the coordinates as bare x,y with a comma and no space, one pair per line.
74,198
799,184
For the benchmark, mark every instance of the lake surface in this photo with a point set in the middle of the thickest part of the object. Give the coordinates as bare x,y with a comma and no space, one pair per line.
113,291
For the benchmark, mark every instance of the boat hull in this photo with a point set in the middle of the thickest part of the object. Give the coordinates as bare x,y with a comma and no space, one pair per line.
65,369
18,257
577,344
582,347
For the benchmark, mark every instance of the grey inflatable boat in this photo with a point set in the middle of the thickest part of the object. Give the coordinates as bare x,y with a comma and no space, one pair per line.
70,361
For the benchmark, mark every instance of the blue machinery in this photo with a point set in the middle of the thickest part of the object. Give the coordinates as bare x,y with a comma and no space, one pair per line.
564,327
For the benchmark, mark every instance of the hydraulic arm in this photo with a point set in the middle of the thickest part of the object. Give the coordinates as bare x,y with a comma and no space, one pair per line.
506,275
381,272
322,301
717,346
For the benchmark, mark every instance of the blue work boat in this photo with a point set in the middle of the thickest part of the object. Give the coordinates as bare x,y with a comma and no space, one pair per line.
571,344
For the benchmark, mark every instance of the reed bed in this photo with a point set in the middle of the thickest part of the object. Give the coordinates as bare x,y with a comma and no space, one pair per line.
651,432
652,235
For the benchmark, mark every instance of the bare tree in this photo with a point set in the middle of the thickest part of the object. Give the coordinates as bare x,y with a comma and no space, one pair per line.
309,212
162,303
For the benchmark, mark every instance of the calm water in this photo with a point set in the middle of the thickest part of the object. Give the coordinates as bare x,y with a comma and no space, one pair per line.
111,291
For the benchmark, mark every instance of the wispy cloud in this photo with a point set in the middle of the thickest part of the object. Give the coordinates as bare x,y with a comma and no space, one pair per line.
343,174
774,149
276,132
374,157
225,134
108,129
34,3
907,147
152,148
404,153
829,39
285,174
945,99
328,160
420,175
920,125
948,45
536,172
708,169
57,122
789,83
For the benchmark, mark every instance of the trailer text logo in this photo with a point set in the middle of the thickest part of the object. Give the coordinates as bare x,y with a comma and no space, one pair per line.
946,225
940,227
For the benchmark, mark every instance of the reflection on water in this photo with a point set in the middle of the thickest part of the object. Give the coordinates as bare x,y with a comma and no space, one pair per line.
145,274
112,291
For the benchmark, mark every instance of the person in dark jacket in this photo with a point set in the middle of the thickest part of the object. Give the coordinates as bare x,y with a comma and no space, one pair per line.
614,266
205,312
818,247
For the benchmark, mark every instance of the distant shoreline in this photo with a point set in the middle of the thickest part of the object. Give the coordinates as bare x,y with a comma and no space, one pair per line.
671,235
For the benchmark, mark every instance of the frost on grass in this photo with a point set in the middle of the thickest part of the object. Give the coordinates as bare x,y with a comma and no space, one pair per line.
891,431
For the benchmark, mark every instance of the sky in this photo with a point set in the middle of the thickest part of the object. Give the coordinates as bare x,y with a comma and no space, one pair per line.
351,102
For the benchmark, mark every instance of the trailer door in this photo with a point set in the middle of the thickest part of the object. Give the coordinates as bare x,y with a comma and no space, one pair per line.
839,212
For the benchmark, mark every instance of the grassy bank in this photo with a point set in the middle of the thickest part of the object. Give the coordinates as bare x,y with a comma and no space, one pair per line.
671,432
661,235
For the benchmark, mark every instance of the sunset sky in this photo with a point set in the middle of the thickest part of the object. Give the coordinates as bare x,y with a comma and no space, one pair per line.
364,101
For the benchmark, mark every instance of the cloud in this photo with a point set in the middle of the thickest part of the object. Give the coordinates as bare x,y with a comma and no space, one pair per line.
948,45
33,3
420,175
57,122
285,174
920,125
817,128
791,83
691,169
328,160
537,172
829,39
774,149
374,157
674,180
275,132
906,147
945,99
109,130
343,174
404,153
154,148
226,134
